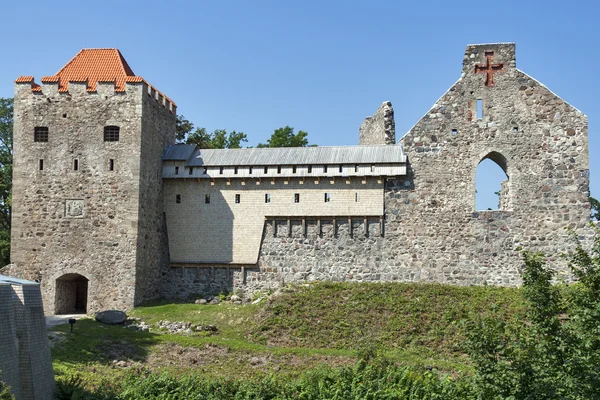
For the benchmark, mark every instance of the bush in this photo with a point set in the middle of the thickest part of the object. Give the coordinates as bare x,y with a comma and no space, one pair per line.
5,390
556,353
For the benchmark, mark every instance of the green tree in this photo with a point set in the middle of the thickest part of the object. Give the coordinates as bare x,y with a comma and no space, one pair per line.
595,209
183,128
6,141
555,354
219,139
5,390
285,137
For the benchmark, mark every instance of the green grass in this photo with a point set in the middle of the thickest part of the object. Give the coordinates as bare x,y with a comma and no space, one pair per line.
335,324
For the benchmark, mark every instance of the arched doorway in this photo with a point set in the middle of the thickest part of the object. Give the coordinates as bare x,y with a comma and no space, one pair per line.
492,183
71,294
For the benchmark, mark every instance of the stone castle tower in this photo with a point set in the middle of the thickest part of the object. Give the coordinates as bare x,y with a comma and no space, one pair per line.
87,200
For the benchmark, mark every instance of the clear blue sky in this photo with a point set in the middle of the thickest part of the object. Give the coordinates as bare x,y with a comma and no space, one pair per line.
319,66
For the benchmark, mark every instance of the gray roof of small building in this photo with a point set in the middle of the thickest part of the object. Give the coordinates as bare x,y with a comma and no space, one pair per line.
15,281
380,154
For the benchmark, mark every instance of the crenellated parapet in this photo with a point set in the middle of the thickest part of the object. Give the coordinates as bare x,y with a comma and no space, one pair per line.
53,86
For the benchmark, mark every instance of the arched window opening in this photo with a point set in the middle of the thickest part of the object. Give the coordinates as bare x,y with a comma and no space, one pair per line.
492,183
71,294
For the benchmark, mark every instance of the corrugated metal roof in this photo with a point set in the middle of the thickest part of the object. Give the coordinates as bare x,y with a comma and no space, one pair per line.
388,154
179,152
15,281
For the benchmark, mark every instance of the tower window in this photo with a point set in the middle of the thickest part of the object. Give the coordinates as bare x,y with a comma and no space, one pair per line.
111,165
310,169
75,165
341,169
356,197
250,171
325,169
111,133
279,169
479,109
327,197
191,170
41,165
40,134
235,170
356,168
205,171
266,169
267,198
296,197
221,170
207,198
237,198
176,170
178,198
294,169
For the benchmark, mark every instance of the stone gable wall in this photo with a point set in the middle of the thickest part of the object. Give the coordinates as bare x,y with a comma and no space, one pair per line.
432,231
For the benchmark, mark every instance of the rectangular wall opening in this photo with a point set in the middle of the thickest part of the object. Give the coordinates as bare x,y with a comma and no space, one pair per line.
479,109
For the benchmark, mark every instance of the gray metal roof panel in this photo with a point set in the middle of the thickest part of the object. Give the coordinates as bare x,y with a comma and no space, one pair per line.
15,281
179,152
381,154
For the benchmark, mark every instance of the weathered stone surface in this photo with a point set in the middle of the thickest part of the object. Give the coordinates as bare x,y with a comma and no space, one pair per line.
380,128
104,225
111,317
431,230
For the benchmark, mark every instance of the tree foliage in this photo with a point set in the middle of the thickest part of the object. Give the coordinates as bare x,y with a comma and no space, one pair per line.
6,140
285,137
595,209
556,353
218,139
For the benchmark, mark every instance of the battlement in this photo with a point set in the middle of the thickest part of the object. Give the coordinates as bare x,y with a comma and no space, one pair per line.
53,86
95,71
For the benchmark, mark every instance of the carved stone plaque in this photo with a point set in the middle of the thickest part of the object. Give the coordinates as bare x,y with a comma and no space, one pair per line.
74,208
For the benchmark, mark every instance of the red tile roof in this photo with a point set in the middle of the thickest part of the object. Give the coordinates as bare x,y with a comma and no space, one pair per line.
92,66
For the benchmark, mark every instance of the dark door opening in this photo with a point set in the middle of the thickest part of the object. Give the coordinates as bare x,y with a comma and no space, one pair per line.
71,294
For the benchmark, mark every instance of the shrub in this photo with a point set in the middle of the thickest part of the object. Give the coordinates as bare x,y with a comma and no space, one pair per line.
5,390
556,353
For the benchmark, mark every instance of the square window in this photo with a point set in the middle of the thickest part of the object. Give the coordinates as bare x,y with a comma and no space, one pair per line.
207,198
111,133
40,134
237,199
296,197
454,132
267,198
327,197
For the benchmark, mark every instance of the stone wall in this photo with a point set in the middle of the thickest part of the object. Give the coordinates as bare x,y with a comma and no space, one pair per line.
25,363
380,128
88,221
432,231
224,231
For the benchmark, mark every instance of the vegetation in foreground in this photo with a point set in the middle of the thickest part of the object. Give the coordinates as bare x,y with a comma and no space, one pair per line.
538,342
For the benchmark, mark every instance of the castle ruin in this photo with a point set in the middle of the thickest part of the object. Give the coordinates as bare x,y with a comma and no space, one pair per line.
108,212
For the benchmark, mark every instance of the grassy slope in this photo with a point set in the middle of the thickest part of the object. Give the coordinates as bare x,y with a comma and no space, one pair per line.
331,323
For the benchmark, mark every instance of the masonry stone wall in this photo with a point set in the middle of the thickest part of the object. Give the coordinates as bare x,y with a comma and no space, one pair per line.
380,128
224,231
25,363
432,231
88,221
